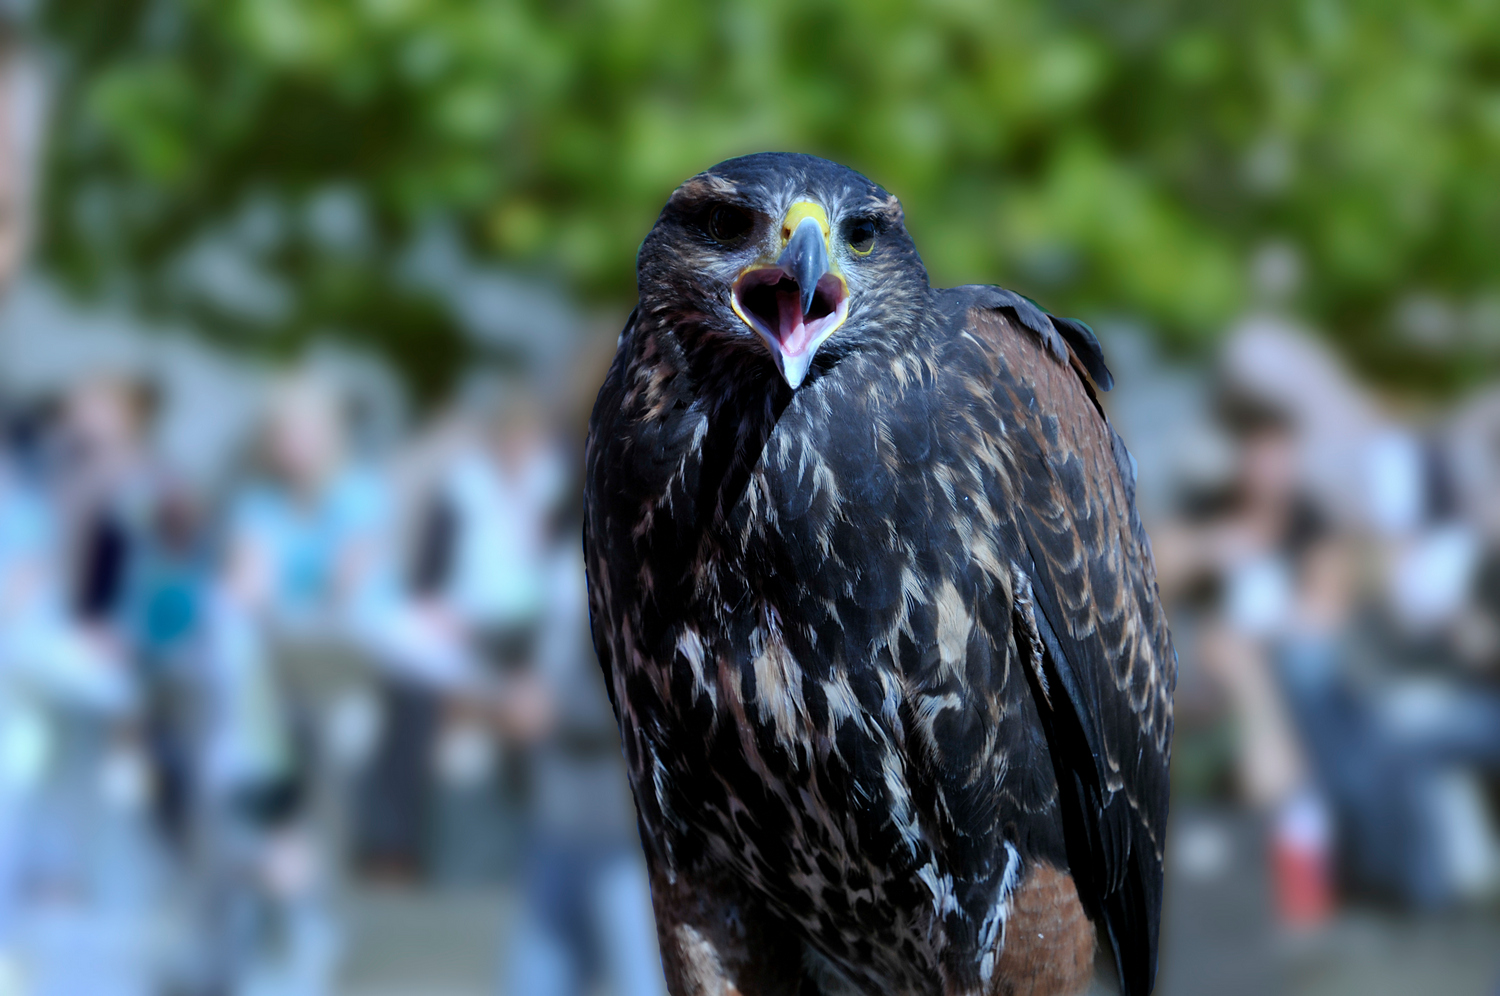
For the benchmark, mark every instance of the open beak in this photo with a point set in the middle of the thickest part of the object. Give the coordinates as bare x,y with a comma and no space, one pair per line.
795,303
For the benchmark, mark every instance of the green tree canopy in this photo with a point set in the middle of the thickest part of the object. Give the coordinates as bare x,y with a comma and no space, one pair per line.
260,167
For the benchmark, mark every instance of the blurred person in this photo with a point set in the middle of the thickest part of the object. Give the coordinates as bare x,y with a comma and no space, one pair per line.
332,681
586,903
1283,580
306,535
1274,358
1431,698
30,606
1469,445
497,556
491,488
170,590
106,482
63,585
91,869
486,527
304,565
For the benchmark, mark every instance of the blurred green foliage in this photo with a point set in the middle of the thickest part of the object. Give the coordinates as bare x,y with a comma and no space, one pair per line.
1108,159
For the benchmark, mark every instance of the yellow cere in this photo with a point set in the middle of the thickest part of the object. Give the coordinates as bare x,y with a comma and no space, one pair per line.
799,211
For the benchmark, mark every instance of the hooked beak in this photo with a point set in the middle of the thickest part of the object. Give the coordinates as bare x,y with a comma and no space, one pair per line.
806,258
795,303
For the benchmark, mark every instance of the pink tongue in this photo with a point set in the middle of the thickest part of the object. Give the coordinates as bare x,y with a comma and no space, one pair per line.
791,329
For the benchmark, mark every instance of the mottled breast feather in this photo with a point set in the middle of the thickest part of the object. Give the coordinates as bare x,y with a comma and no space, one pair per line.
881,646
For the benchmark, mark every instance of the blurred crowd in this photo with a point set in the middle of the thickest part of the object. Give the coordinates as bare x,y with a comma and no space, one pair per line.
220,699
1331,562
267,642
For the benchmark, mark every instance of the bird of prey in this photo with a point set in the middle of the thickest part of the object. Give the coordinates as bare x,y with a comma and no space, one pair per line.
876,611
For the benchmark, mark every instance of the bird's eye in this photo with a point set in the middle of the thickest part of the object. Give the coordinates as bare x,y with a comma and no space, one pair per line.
727,223
861,235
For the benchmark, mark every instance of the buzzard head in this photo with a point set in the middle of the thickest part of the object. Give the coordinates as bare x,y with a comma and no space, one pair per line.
779,258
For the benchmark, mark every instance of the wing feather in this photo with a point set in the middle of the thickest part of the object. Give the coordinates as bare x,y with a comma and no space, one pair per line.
1104,681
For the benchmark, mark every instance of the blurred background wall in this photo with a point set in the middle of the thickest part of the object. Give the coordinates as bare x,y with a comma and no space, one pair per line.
304,305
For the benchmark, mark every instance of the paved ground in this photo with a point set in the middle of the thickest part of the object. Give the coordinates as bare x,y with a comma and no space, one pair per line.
1217,937
1368,954
419,943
